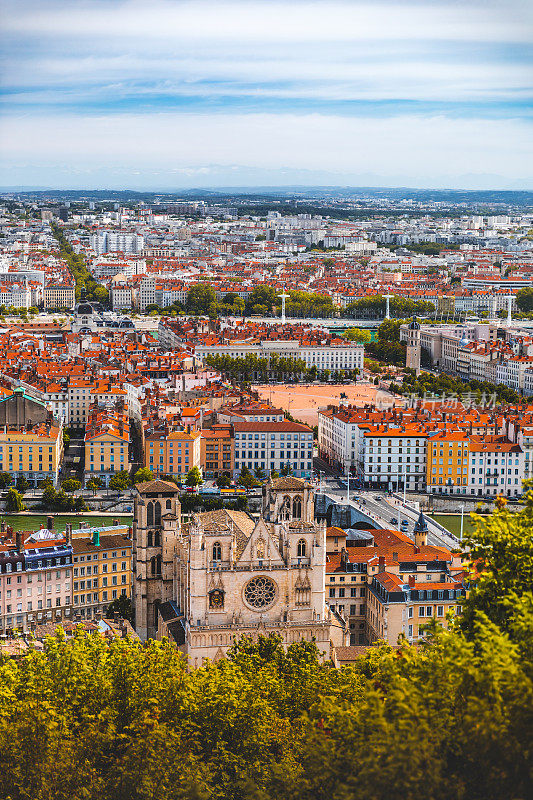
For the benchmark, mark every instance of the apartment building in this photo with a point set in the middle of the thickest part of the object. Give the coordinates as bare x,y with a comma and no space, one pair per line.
59,295
106,443
365,569
79,401
496,466
35,578
216,451
271,446
33,452
171,452
393,457
447,462
101,568
396,607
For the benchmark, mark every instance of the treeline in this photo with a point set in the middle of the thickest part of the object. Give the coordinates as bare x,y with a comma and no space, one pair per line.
480,392
76,264
92,718
375,307
252,368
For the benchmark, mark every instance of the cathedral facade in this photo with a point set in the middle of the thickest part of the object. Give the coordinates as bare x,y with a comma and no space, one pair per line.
234,575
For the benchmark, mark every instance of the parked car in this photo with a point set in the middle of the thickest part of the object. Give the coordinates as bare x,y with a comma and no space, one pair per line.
394,520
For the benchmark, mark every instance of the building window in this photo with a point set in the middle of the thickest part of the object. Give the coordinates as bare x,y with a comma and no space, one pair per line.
301,549
217,551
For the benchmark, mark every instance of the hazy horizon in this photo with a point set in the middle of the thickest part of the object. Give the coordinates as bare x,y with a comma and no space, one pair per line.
202,94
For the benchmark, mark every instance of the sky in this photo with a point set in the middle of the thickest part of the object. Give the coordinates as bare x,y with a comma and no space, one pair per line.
171,94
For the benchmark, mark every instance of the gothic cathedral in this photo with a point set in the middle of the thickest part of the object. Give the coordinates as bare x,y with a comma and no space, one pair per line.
223,574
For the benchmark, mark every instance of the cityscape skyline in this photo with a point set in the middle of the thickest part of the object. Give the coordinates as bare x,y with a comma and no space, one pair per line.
185,95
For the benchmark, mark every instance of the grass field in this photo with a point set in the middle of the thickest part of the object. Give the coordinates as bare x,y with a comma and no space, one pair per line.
32,522
453,522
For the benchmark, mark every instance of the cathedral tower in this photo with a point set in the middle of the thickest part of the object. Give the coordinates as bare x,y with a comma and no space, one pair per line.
156,527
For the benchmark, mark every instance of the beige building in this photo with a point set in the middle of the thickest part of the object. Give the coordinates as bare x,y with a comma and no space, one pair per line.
106,443
60,295
172,454
101,568
233,575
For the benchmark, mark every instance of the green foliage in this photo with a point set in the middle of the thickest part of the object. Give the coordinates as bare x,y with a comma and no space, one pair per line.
61,501
501,555
194,477
121,480
199,298
253,368
94,484
223,481
14,501
121,606
524,300
78,268
71,485
357,335
143,474
247,480
375,307
438,385
5,480
66,439
22,484
389,330
388,351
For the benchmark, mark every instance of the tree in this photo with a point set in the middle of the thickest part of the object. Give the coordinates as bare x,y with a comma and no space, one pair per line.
524,300
121,480
66,439
49,496
247,480
14,501
5,480
121,606
501,556
199,298
286,470
223,481
143,474
22,484
357,335
94,484
71,485
194,477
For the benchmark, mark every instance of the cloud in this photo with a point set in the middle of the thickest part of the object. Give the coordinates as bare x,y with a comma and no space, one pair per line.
296,85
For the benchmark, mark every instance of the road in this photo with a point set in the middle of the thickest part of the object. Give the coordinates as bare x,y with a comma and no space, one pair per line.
389,511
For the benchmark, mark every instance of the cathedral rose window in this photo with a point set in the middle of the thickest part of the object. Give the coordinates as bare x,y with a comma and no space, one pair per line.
260,592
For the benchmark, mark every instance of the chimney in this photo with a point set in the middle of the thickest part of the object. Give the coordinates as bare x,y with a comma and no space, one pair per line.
18,540
50,523
68,532
381,564
412,581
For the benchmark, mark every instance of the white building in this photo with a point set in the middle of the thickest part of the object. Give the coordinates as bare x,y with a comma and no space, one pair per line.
273,445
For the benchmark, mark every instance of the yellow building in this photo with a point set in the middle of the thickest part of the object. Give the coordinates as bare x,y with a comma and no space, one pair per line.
107,439
101,568
34,453
173,453
447,463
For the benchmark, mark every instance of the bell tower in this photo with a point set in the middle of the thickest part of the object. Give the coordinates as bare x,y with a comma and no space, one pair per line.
412,356
156,527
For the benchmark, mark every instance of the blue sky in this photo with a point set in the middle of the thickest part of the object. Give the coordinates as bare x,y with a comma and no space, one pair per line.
171,94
